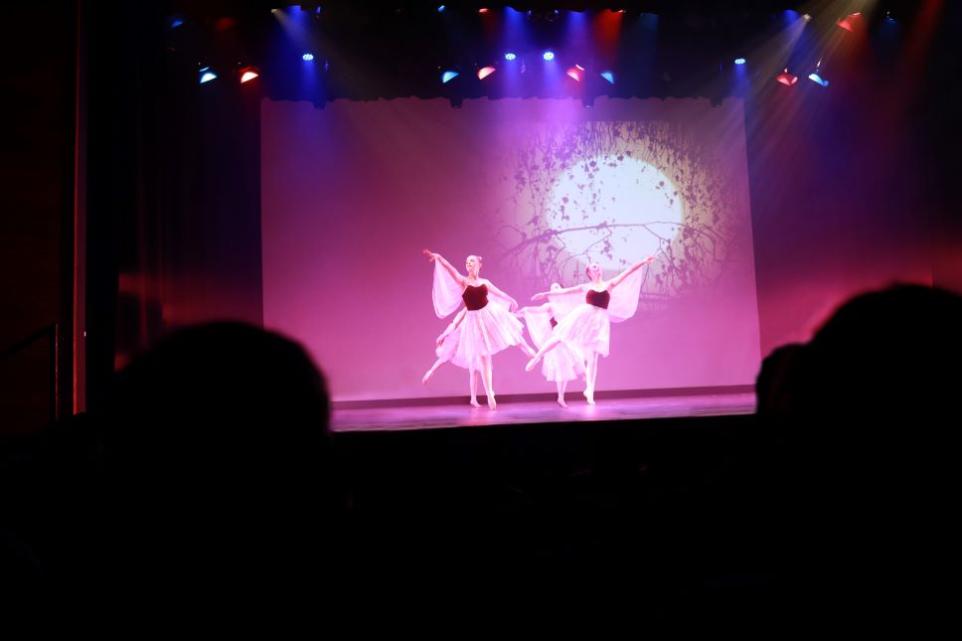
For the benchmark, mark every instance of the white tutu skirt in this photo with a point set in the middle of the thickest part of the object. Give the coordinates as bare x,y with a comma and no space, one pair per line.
483,332
584,329
562,364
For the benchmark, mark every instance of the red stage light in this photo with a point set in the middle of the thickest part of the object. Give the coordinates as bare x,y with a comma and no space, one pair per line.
848,22
484,72
786,78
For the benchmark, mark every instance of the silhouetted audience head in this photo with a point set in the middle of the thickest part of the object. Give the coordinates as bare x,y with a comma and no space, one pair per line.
217,459
868,408
888,353
773,386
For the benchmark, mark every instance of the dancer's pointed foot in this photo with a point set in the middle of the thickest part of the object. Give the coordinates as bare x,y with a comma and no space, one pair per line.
561,402
475,403
492,404
426,376
589,396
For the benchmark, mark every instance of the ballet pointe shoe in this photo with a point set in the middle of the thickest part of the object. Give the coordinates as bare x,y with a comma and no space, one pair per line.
475,403
589,396
427,375
561,402
492,404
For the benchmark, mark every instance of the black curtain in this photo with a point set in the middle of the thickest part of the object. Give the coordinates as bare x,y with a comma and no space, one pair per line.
173,198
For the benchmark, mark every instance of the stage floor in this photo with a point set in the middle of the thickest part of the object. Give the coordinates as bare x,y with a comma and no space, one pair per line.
514,412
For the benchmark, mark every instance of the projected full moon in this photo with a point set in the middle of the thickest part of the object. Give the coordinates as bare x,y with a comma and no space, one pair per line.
613,209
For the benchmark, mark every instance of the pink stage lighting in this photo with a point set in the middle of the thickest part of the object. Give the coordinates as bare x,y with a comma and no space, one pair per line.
484,72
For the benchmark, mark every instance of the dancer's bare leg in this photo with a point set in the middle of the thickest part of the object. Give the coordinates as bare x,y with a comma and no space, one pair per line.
561,393
591,374
488,380
547,347
473,375
594,375
433,369
527,349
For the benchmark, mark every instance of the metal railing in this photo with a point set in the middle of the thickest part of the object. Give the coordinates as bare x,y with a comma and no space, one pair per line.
51,333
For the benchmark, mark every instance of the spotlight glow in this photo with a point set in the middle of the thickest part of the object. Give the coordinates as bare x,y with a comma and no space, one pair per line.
484,72
448,76
818,79
548,55
609,76
248,74
510,55
740,61
441,8
634,200
308,57
574,73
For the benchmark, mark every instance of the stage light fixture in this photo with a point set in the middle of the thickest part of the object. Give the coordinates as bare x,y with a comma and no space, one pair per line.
247,74
441,8
786,78
308,57
448,76
548,55
510,55
740,61
609,76
574,73
206,75
484,72
848,22
816,76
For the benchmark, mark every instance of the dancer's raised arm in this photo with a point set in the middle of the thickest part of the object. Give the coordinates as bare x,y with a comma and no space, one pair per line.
563,290
433,256
614,282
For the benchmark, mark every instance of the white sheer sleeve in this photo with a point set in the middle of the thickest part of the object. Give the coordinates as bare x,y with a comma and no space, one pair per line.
624,297
538,320
446,292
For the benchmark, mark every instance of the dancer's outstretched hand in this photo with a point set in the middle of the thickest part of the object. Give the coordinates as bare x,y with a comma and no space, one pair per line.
539,296
430,254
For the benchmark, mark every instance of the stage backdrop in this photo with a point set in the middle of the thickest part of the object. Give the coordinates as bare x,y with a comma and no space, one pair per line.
353,192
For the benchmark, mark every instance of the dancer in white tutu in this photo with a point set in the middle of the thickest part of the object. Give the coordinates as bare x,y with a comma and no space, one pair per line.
486,328
586,329
561,364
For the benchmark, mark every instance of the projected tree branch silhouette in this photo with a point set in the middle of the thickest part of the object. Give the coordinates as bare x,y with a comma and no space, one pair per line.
615,192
